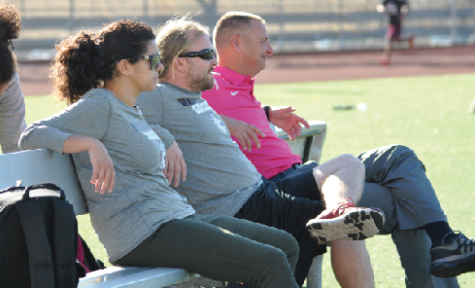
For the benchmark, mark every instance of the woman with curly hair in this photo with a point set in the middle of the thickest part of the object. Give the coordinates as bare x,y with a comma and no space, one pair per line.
12,104
142,221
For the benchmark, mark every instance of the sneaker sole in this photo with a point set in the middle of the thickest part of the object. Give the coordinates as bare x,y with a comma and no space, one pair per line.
357,225
454,268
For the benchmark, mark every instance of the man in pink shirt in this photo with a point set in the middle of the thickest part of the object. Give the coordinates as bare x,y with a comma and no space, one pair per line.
233,97
395,178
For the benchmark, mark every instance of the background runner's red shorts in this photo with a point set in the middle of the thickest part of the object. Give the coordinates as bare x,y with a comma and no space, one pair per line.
394,31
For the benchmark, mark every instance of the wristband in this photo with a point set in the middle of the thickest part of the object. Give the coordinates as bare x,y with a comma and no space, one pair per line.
266,109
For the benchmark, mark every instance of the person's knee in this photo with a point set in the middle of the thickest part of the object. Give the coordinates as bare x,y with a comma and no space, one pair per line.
401,149
344,161
353,163
406,154
277,258
292,246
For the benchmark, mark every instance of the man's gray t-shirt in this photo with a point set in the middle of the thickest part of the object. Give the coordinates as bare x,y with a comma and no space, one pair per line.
141,200
220,179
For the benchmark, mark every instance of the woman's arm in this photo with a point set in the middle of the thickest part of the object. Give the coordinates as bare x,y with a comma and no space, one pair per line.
103,173
77,129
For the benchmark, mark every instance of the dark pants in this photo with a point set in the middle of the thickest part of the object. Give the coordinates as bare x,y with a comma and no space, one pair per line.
222,248
279,205
396,183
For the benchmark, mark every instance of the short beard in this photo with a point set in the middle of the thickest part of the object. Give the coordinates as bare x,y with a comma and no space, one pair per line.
199,82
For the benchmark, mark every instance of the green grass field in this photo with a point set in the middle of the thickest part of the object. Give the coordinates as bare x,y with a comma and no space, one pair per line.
428,114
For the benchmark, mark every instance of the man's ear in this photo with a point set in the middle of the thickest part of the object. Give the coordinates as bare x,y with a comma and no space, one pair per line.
236,43
180,64
124,67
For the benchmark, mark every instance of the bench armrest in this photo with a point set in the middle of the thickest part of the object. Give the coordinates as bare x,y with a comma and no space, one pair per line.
309,144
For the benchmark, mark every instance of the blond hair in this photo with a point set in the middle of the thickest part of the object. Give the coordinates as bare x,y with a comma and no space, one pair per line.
175,38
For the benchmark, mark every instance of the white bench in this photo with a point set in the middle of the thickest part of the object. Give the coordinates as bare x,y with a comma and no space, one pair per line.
45,166
310,142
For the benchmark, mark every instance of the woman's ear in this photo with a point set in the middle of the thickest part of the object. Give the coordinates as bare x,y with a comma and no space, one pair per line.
124,67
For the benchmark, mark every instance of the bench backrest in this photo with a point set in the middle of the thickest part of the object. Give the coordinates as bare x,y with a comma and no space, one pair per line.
46,166
43,166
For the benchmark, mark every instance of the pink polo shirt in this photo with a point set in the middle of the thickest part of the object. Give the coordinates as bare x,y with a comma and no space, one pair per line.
232,96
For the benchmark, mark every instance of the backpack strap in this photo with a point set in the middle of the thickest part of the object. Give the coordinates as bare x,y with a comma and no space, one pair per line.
65,244
41,263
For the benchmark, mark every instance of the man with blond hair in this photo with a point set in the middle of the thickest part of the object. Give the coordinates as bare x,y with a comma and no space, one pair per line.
221,180
395,178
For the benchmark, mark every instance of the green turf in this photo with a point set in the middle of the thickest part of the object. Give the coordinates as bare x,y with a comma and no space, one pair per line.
429,114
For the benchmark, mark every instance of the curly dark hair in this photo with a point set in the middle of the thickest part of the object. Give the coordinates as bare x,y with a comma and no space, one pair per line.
84,61
10,25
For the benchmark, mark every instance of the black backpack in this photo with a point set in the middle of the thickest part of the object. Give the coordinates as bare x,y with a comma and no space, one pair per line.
38,238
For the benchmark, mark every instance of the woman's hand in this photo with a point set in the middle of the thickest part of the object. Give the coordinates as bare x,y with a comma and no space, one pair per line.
103,172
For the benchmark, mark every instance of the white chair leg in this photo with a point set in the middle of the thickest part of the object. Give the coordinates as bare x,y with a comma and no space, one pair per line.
314,277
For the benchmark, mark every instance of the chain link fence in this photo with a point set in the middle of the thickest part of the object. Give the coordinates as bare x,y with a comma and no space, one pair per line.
293,25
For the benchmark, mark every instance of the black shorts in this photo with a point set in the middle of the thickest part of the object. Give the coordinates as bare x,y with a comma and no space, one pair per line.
311,190
275,205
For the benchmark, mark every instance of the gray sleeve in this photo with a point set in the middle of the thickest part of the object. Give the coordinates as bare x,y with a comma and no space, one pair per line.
166,137
88,117
152,105
12,116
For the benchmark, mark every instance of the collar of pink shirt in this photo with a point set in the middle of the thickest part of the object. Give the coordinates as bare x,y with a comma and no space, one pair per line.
234,77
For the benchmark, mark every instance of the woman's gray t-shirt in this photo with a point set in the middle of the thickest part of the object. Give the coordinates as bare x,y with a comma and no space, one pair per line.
141,200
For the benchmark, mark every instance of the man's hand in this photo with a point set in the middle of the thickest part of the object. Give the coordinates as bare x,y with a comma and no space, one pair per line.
175,165
283,118
244,133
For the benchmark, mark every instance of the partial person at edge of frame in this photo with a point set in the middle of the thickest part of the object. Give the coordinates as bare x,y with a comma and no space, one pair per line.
395,177
142,221
396,10
471,108
12,103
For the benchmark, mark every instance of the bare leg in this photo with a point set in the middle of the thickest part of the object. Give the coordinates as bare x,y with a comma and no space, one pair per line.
388,49
351,264
409,39
338,179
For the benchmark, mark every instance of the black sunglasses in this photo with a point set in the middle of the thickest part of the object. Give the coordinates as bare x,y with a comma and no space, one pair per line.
154,60
206,54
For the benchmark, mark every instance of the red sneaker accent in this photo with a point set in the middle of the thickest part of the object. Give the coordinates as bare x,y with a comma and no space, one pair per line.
337,210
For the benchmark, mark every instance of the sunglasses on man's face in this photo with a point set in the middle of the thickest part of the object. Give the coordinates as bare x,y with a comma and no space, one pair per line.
206,54
154,60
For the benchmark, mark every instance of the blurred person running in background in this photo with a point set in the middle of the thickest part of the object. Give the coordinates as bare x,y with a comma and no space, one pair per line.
12,104
396,10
